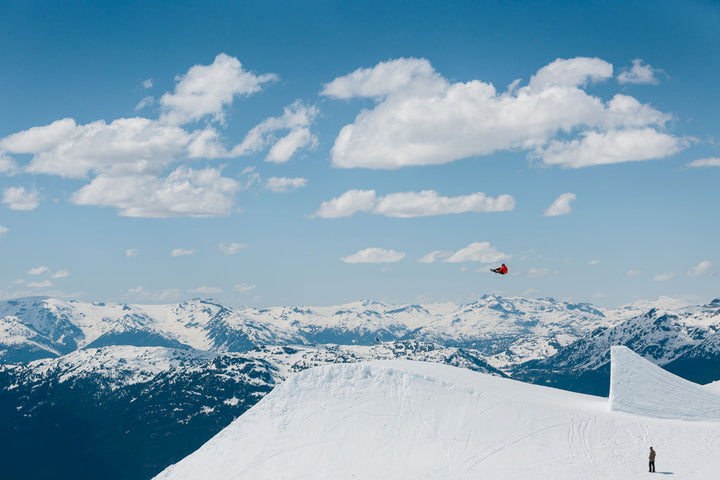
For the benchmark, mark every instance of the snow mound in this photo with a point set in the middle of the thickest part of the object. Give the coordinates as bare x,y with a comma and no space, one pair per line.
413,420
641,387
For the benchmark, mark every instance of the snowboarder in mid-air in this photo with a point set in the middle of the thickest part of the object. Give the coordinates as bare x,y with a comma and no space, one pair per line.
502,270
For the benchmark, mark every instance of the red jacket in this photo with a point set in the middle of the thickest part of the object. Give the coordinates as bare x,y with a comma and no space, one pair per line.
503,269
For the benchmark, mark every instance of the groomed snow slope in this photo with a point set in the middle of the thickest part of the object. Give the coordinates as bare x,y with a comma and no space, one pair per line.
411,420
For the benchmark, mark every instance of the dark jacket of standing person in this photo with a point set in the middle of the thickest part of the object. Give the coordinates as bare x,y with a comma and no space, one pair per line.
652,460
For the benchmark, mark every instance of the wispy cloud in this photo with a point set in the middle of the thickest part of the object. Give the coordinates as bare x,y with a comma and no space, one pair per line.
296,120
205,290
43,284
704,162
541,272
374,255
181,252
283,184
663,277
561,206
3,230
633,273
131,252
702,269
475,252
38,270
231,248
244,288
60,274
411,204
7,165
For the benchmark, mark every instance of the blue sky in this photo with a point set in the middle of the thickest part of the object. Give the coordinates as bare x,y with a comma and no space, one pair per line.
270,153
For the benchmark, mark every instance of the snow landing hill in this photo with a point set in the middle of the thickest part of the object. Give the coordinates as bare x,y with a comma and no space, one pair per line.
410,420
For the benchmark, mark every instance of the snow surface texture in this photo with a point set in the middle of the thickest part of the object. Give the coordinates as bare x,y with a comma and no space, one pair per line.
639,386
412,420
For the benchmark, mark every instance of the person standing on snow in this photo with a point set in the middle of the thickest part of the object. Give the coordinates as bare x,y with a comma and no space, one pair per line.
651,466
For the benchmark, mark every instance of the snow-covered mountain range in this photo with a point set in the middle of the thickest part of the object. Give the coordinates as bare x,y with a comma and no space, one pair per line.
114,377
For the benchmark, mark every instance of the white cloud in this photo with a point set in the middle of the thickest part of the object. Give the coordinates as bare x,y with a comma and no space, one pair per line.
594,262
477,252
435,256
283,184
164,295
633,273
124,146
704,162
244,288
205,90
374,255
411,204
422,118
640,73
383,79
38,270
663,277
7,165
702,269
148,83
131,252
561,206
16,198
3,230
347,204
231,248
181,252
43,284
145,102
296,119
540,272
613,146
204,290
184,193
60,274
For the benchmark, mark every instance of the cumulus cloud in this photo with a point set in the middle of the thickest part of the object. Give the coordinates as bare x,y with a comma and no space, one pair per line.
184,193
702,269
435,255
182,252
204,290
7,165
284,185
38,270
205,90
131,252
3,230
231,248
374,255
17,198
561,206
421,118
663,277
296,120
411,204
614,146
640,73
704,162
